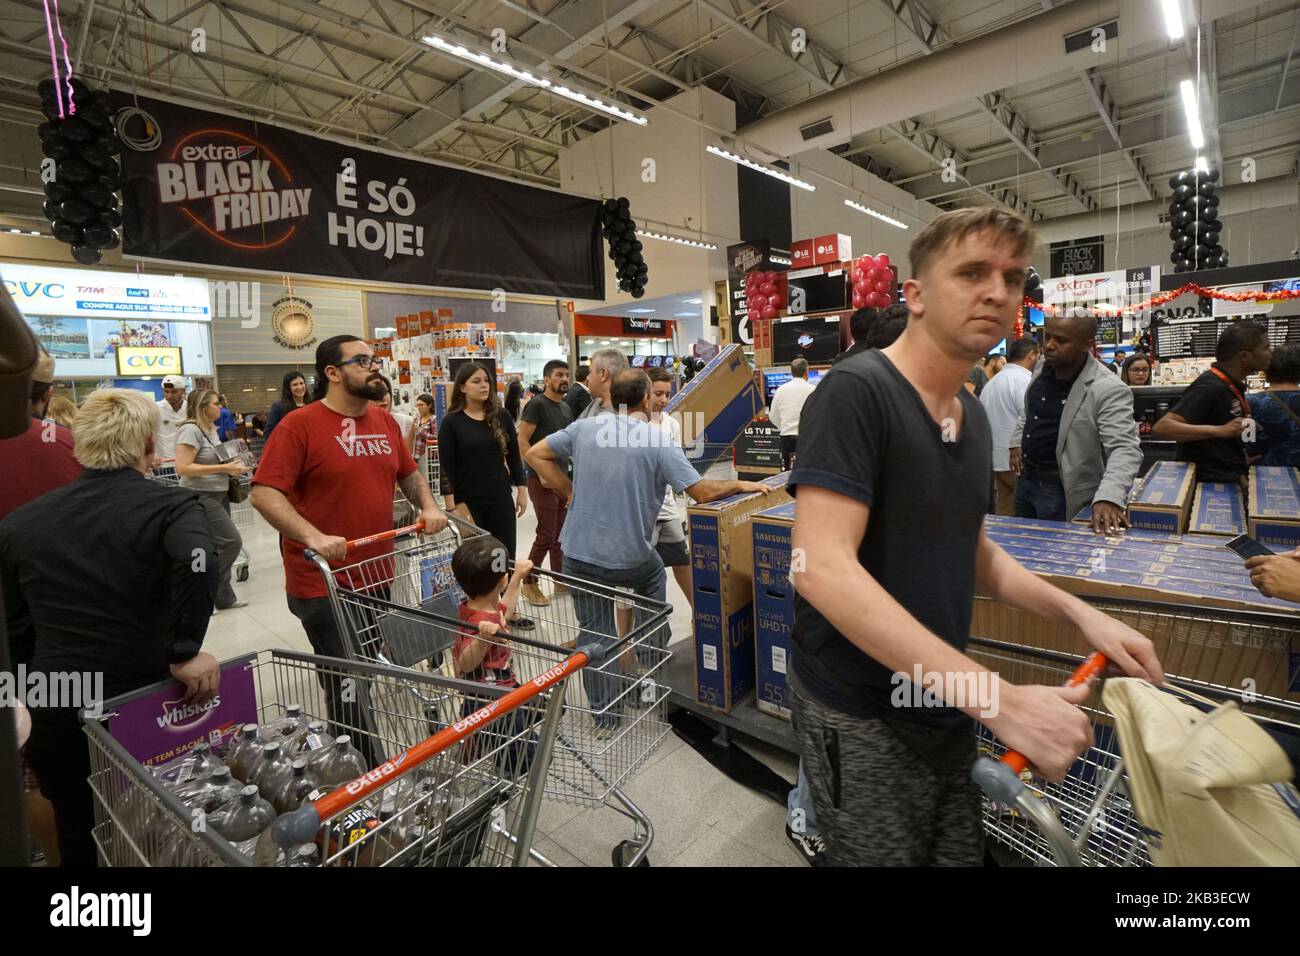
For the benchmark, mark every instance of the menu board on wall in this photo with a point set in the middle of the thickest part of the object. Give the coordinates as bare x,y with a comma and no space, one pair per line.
1197,337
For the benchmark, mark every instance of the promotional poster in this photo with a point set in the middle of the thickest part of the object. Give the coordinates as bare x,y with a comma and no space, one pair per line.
227,191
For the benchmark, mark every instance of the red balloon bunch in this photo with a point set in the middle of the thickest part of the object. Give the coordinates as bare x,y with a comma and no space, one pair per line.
873,281
765,292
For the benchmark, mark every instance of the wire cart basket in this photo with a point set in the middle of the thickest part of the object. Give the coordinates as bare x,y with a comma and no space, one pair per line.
400,608
460,785
1088,818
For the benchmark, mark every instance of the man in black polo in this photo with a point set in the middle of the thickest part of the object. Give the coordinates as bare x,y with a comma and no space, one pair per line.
874,329
1210,418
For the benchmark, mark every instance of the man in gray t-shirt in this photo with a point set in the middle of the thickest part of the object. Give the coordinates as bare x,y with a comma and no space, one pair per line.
621,464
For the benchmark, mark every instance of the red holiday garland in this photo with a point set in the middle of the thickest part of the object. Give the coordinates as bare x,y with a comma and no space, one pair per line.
1164,298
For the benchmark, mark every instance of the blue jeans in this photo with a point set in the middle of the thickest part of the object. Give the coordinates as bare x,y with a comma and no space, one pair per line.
800,799
1038,496
596,622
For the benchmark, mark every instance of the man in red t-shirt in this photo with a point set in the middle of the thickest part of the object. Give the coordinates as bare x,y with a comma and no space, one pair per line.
40,459
327,476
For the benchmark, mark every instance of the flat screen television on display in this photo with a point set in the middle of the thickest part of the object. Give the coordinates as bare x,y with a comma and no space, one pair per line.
774,378
453,366
817,340
638,361
654,361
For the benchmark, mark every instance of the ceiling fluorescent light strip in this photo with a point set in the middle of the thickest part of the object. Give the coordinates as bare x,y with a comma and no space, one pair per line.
695,243
1194,131
774,173
509,69
1173,18
597,103
879,215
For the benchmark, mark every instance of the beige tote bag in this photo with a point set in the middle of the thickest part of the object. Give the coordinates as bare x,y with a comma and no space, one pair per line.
1212,786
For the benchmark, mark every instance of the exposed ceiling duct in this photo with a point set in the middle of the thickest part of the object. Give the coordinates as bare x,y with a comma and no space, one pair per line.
1031,50
1280,191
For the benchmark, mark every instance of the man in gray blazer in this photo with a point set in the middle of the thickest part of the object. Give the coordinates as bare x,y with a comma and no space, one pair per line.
1076,442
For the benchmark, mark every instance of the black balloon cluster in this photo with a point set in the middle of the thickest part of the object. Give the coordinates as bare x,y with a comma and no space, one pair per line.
1033,285
81,200
624,246
691,365
1194,221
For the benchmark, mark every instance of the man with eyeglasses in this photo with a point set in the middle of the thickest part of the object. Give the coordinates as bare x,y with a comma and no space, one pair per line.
327,476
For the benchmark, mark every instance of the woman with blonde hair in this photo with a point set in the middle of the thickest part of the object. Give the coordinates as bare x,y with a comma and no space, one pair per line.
204,468
61,410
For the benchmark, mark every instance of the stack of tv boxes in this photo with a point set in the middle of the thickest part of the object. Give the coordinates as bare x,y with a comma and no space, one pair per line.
742,557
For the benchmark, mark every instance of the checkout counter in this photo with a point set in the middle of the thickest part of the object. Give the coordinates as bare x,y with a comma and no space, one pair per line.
1150,402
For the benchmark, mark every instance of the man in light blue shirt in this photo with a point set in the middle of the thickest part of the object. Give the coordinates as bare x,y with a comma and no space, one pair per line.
621,464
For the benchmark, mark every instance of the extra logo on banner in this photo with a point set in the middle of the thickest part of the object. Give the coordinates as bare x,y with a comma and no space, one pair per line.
225,191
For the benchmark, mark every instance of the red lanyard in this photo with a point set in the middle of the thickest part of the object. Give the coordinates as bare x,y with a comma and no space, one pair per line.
1235,391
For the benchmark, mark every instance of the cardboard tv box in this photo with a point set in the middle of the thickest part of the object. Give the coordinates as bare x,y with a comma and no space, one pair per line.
1195,645
1274,506
773,529
1164,501
715,406
1218,508
722,577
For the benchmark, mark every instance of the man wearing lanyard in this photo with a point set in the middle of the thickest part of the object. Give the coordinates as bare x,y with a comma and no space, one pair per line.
1211,416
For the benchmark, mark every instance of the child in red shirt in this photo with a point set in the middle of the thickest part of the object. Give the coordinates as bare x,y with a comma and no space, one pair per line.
479,566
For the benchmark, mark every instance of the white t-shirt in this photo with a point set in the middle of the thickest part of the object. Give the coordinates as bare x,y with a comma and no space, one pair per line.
406,423
1003,399
672,509
787,405
172,420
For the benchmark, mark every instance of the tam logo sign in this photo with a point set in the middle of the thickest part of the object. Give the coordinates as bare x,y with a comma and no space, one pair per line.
134,361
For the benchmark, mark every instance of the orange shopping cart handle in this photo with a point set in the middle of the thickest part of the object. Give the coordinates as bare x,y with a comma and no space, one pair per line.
301,826
1091,667
385,535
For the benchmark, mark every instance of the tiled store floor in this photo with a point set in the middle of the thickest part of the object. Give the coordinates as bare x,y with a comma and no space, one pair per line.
701,817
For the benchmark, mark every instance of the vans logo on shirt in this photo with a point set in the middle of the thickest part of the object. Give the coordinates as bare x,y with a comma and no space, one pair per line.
361,446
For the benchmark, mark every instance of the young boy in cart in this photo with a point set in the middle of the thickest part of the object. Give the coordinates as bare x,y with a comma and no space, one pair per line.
478,653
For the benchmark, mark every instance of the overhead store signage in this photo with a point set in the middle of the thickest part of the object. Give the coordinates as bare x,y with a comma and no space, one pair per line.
134,361
1078,256
639,326
1115,288
82,293
226,191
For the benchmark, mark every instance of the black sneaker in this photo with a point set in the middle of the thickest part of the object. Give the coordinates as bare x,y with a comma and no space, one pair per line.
809,846
520,624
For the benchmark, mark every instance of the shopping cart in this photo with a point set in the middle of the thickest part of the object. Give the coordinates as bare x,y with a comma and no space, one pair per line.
241,512
461,785
1088,818
401,608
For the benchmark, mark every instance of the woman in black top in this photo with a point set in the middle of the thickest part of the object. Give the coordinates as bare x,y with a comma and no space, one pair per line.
293,395
479,461
514,397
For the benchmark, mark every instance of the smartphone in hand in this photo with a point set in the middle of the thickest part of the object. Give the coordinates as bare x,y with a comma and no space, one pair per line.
1246,547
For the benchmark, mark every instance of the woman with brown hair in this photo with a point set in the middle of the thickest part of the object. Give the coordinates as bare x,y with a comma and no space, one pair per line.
1136,370
479,461
203,469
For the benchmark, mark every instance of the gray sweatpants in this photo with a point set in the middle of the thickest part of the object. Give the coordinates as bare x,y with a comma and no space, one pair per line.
878,804
226,538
